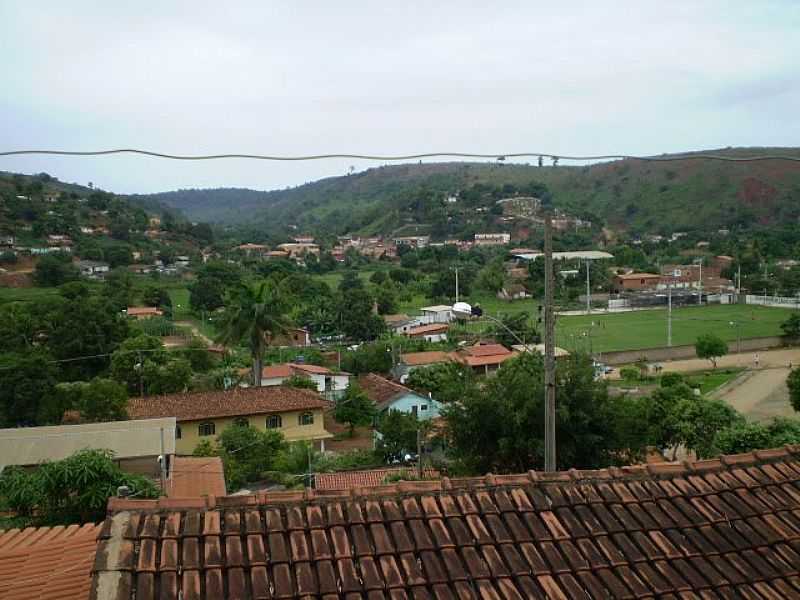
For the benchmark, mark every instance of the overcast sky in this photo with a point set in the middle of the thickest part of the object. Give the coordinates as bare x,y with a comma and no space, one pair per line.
378,77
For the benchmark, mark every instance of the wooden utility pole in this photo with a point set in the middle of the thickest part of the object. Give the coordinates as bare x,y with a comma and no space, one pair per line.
549,350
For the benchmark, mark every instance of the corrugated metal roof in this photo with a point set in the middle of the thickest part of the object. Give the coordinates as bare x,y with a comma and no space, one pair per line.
127,439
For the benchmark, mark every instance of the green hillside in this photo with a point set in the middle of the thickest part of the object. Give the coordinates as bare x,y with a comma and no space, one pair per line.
625,194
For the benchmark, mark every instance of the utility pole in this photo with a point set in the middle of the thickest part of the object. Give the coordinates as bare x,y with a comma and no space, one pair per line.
456,284
163,464
549,350
419,450
141,374
700,295
588,291
669,312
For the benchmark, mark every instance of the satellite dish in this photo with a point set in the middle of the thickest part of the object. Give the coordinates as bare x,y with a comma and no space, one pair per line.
462,310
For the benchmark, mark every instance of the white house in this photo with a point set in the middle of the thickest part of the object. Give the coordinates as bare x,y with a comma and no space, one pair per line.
93,268
439,313
329,383
433,332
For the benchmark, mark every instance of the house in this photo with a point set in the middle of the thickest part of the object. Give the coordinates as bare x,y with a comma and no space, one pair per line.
330,384
492,239
296,413
388,395
48,563
196,476
144,312
349,480
513,291
7,241
93,269
294,337
258,250
414,241
59,240
304,239
275,254
483,358
182,261
136,444
415,360
439,313
433,332
399,324
636,282
539,349
719,528
297,251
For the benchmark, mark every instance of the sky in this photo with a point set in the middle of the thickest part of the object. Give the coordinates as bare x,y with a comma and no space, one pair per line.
302,77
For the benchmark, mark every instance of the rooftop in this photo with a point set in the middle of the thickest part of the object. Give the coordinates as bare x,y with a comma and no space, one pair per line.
195,476
415,359
47,563
381,390
580,255
721,528
231,403
143,310
436,308
346,480
127,439
639,276
426,329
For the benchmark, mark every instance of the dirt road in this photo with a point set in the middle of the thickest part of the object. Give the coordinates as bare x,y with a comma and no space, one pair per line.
766,359
760,395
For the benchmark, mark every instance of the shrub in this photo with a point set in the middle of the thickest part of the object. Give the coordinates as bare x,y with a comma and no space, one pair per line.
671,379
629,373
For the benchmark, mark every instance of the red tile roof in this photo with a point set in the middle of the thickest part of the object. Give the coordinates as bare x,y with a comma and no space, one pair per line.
231,403
381,390
134,311
276,371
289,369
485,350
193,476
415,359
722,528
426,329
47,563
347,480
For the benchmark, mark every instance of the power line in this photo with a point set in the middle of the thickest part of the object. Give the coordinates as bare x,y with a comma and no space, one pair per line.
395,157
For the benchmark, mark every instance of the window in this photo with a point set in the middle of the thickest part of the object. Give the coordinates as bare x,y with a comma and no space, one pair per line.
274,422
241,422
423,407
305,418
177,432
206,429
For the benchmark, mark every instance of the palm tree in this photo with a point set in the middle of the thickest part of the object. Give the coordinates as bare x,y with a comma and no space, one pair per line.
254,315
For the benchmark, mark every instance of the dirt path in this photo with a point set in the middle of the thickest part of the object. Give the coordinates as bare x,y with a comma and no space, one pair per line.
767,359
760,395
195,331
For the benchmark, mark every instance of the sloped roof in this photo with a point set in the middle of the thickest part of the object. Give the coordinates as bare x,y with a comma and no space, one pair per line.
194,476
47,563
134,311
720,528
381,390
127,439
276,371
230,403
415,359
426,329
390,319
347,480
485,350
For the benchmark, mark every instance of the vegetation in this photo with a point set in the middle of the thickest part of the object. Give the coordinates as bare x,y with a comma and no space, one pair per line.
793,383
710,346
73,490
354,408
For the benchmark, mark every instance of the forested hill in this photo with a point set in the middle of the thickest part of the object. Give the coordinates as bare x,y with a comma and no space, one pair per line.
626,194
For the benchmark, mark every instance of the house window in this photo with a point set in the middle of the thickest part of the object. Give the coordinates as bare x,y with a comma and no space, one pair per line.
274,422
423,407
241,422
305,418
206,429
177,432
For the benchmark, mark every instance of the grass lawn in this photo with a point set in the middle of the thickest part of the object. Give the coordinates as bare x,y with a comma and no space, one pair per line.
8,294
708,381
648,329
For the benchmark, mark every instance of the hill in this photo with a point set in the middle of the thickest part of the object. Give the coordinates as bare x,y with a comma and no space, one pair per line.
625,194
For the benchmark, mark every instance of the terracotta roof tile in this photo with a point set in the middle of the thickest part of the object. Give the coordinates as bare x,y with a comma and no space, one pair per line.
230,403
416,359
196,476
380,390
691,531
347,480
47,562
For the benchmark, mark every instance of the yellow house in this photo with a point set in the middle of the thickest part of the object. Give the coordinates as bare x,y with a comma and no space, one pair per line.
296,413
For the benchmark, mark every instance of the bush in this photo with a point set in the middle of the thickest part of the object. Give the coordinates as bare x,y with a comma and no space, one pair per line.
629,373
671,379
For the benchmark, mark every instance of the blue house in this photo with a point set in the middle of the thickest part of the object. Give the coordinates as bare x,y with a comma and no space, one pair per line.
388,395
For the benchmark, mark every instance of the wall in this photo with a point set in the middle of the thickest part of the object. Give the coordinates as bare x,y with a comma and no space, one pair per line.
684,352
290,429
407,402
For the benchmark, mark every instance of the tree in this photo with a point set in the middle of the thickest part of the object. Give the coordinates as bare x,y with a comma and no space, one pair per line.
491,277
791,326
196,352
145,367
207,293
699,419
445,382
157,296
398,434
521,326
73,490
356,318
54,269
386,300
247,453
97,400
793,383
300,382
253,316
710,346
27,383
354,408
368,358
670,379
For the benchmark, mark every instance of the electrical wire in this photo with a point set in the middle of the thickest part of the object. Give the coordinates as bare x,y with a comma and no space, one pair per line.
501,156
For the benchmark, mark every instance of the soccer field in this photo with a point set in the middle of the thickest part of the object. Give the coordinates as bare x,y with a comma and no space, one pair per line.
648,328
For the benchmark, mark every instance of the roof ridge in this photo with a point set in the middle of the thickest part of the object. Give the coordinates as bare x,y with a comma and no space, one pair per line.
662,470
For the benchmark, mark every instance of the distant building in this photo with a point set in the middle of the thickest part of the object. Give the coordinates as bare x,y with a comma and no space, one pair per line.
93,269
388,395
297,251
513,291
144,312
483,358
294,337
304,240
331,384
415,241
401,323
415,360
636,281
492,239
439,313
434,332
258,250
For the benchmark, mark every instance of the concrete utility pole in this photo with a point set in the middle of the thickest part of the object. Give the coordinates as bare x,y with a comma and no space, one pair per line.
700,295
669,312
549,350
163,464
588,291
456,284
